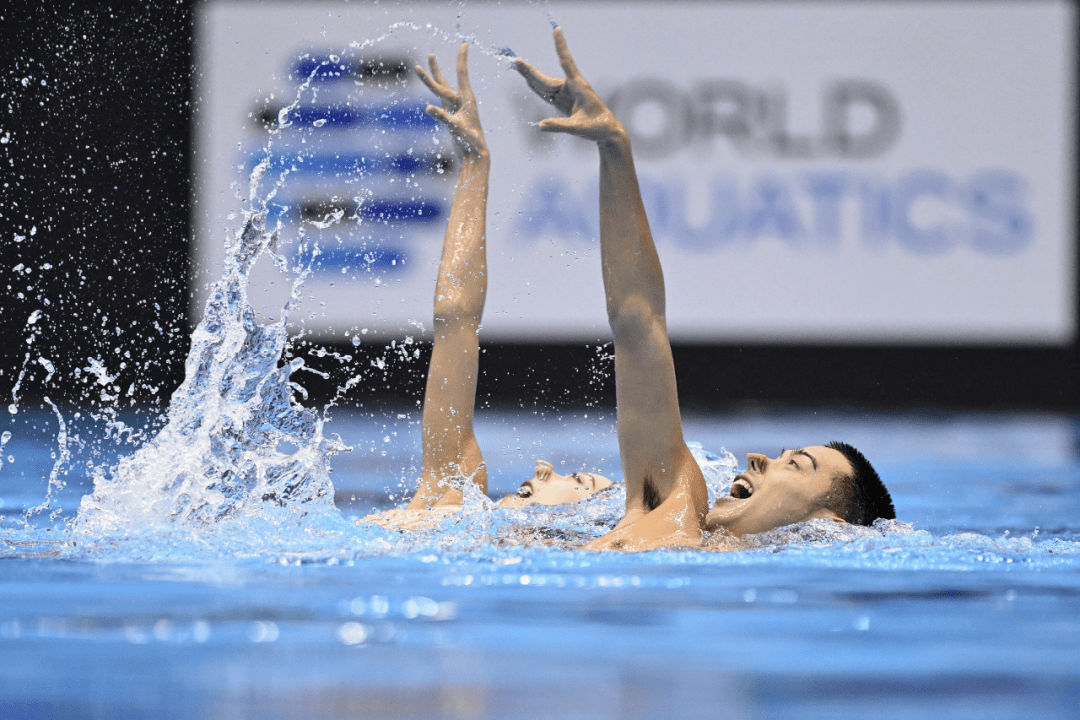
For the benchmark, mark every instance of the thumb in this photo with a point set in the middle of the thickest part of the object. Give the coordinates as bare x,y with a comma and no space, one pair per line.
557,125
439,114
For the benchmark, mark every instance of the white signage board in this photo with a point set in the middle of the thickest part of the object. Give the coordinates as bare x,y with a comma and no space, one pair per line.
834,172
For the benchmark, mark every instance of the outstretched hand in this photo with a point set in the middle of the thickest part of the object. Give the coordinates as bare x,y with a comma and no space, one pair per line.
458,111
588,116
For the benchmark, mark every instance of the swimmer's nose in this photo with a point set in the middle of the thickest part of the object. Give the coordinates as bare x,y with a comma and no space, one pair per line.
756,462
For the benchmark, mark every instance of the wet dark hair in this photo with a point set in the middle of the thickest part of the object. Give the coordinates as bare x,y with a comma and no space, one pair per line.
860,497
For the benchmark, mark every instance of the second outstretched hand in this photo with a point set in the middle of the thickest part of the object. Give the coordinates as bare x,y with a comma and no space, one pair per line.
458,111
587,115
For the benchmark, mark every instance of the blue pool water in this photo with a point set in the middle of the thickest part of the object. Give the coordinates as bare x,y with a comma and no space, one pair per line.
962,614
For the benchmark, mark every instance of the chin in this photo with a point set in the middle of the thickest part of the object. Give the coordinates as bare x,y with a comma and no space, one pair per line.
718,521
733,523
725,513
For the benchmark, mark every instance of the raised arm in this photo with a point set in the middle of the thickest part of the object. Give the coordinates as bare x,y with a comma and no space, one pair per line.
449,445
666,498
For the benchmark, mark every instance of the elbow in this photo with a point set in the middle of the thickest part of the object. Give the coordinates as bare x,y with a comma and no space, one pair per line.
447,314
452,312
635,318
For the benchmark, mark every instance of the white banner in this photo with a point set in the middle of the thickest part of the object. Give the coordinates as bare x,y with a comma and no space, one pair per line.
833,172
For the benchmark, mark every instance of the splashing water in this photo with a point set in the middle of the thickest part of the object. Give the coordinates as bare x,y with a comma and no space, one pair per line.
55,483
35,331
217,457
238,456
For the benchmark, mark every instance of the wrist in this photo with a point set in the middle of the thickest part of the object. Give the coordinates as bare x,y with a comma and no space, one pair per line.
615,140
475,156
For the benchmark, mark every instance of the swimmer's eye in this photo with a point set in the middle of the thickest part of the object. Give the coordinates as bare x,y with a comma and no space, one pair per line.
524,491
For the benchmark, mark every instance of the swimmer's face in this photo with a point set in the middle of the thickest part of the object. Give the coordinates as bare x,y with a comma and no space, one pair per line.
778,492
547,487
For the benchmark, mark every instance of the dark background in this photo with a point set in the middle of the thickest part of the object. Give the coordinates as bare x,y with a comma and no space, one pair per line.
99,161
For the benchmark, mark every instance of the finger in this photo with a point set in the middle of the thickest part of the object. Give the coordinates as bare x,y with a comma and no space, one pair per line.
435,73
543,85
462,69
565,125
568,126
565,59
444,93
439,114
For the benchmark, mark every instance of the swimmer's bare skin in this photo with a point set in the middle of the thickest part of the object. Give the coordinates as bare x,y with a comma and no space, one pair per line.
666,497
405,519
546,487
450,447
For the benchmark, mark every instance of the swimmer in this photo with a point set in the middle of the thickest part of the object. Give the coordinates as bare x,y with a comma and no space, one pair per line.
451,454
666,498
549,488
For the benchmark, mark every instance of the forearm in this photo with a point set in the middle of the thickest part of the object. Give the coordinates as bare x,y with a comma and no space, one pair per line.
461,288
633,277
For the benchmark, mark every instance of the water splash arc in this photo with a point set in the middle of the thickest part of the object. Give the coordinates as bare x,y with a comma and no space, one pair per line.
217,455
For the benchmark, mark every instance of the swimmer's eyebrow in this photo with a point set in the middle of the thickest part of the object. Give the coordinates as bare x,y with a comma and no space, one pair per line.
802,451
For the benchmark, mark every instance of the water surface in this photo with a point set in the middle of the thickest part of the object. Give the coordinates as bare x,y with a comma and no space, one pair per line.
967,612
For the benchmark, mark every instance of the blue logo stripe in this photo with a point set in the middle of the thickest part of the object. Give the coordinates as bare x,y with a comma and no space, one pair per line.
359,258
337,116
349,163
409,210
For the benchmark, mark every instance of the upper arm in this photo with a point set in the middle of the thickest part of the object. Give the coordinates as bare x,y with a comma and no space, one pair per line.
650,424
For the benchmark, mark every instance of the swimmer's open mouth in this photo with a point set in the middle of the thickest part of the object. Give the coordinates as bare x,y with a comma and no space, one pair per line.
525,491
741,489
